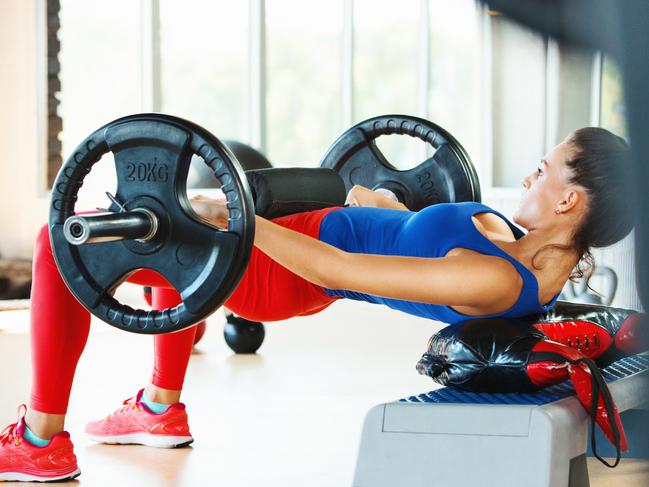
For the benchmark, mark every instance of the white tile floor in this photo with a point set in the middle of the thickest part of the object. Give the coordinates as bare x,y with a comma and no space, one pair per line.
289,416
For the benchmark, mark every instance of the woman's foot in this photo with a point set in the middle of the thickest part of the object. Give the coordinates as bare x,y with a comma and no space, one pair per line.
135,423
20,460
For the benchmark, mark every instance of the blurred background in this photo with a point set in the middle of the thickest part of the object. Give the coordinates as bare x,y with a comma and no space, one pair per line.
288,78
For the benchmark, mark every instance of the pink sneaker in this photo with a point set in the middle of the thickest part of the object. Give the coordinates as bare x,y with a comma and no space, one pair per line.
22,461
134,423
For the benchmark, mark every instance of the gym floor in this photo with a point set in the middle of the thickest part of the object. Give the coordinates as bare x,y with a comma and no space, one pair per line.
289,416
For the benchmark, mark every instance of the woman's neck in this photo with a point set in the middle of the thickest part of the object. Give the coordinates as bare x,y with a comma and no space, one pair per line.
559,253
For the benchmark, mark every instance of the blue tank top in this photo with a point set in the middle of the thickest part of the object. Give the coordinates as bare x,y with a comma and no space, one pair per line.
430,232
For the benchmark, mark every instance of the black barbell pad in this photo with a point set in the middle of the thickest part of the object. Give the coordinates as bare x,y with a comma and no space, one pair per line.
284,191
249,158
200,175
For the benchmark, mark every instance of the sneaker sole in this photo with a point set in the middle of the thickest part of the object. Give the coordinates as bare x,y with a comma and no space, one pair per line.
156,441
23,477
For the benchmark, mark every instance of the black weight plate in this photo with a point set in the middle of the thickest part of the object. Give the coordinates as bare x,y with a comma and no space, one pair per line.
152,155
446,177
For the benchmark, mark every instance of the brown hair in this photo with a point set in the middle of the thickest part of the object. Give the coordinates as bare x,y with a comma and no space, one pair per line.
601,164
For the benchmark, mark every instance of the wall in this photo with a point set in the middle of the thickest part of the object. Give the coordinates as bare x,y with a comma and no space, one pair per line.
575,93
23,201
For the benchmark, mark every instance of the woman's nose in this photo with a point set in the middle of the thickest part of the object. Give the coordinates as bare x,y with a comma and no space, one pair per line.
526,182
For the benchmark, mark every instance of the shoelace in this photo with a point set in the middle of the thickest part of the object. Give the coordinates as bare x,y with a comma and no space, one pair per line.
129,403
8,434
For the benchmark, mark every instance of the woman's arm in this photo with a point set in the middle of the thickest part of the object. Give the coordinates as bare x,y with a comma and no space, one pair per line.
470,280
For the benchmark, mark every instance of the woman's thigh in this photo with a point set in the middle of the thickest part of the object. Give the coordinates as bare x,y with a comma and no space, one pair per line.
268,291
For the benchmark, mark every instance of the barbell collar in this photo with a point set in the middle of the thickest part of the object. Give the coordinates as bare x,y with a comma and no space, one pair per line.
139,224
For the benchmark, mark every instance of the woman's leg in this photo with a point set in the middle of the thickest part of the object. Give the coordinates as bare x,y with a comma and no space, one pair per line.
59,331
267,292
154,417
172,352
60,325
270,292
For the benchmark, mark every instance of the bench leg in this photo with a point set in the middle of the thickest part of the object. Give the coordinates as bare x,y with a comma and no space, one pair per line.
578,472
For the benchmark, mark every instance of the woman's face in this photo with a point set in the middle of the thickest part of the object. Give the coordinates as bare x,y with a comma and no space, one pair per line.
545,188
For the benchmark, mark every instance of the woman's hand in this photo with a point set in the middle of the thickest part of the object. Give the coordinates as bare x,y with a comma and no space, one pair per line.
362,196
213,211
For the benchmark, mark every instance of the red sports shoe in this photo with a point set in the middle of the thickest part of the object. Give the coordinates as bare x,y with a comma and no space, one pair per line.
134,423
22,461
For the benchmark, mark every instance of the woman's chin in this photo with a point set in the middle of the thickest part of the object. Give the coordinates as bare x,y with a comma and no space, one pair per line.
520,221
517,220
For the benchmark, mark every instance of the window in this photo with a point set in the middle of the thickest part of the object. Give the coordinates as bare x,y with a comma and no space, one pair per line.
303,79
204,64
385,58
454,91
100,77
385,70
612,109
518,101
100,66
488,87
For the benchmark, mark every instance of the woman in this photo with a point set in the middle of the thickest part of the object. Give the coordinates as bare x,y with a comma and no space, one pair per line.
445,262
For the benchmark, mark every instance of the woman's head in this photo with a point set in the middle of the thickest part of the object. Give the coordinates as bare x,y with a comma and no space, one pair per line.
584,184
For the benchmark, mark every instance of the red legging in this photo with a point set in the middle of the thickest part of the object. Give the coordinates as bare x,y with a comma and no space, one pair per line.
60,325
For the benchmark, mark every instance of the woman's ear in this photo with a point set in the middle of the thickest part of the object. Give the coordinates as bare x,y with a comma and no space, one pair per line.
572,198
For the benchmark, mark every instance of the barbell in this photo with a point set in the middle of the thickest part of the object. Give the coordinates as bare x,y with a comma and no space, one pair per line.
150,223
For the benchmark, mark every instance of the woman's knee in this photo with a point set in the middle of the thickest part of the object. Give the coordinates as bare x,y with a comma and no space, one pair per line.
43,256
42,244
